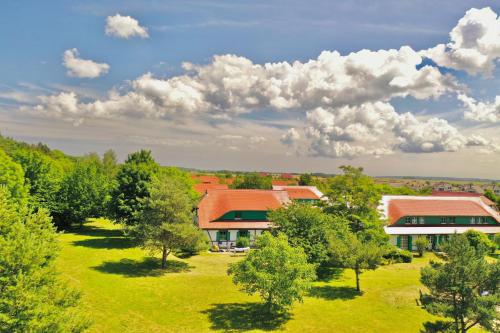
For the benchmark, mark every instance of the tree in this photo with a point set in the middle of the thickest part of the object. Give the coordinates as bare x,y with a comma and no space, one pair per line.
463,288
133,182
84,192
349,250
110,164
32,296
252,181
355,197
276,270
165,224
305,179
478,239
12,178
421,243
43,175
305,226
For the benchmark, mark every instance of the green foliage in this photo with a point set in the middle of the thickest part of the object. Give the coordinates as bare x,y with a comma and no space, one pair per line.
396,255
497,240
277,271
43,175
306,179
12,178
355,197
306,227
133,182
165,224
463,288
349,251
422,243
32,297
110,164
478,240
252,181
242,242
84,192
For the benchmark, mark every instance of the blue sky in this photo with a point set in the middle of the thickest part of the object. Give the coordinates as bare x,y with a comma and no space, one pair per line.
36,34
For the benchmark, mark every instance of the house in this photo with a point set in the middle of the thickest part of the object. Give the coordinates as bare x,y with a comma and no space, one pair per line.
203,188
226,215
435,217
487,201
309,194
442,186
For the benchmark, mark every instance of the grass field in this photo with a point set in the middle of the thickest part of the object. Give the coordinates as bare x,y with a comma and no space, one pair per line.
124,291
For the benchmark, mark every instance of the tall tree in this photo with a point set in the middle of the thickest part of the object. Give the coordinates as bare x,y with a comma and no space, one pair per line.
32,296
133,182
463,288
166,223
110,164
349,251
277,271
12,178
305,226
84,192
44,176
355,197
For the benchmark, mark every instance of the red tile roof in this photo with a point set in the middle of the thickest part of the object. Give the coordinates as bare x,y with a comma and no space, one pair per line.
218,202
300,193
399,208
202,188
463,194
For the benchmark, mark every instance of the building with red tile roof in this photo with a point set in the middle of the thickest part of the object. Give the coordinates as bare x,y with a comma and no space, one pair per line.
301,193
227,215
436,217
203,188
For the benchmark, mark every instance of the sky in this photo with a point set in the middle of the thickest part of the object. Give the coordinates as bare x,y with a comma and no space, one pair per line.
402,88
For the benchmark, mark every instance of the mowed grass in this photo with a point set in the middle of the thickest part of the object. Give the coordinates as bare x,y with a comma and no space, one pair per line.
125,291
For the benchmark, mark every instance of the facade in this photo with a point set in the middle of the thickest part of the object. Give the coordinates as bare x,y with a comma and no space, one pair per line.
435,217
226,215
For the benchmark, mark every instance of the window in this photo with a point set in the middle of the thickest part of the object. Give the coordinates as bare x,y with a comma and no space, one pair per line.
451,219
237,215
408,220
421,220
243,233
414,220
404,242
483,219
223,236
443,220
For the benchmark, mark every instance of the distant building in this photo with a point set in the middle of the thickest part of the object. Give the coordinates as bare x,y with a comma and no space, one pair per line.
309,194
442,187
435,217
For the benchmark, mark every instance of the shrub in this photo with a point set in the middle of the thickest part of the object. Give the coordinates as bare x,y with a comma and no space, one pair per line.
215,248
243,242
421,243
497,240
395,255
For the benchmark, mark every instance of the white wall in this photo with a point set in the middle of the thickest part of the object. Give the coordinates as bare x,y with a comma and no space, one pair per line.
232,236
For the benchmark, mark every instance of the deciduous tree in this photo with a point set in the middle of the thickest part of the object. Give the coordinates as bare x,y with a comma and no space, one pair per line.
277,271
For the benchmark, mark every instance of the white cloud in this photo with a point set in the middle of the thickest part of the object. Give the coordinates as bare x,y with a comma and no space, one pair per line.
63,105
257,139
124,27
481,111
474,46
290,137
82,68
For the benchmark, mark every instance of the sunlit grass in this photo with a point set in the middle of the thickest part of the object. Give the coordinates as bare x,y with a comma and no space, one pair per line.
124,290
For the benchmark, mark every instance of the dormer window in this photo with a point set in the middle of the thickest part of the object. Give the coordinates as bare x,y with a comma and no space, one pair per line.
237,216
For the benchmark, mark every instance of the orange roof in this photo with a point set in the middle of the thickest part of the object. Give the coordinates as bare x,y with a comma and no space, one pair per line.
203,187
399,208
216,203
300,193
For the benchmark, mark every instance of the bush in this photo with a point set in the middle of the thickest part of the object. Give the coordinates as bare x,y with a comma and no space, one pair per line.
243,242
395,255
497,240
421,243
478,239
215,248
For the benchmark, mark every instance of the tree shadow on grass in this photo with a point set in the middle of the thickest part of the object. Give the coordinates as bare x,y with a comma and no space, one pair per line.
239,317
332,293
96,232
436,327
106,243
142,268
328,273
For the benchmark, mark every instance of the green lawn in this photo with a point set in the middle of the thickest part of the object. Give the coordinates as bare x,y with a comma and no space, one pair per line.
124,291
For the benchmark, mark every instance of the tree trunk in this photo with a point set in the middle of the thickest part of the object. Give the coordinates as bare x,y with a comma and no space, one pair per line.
164,257
356,270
